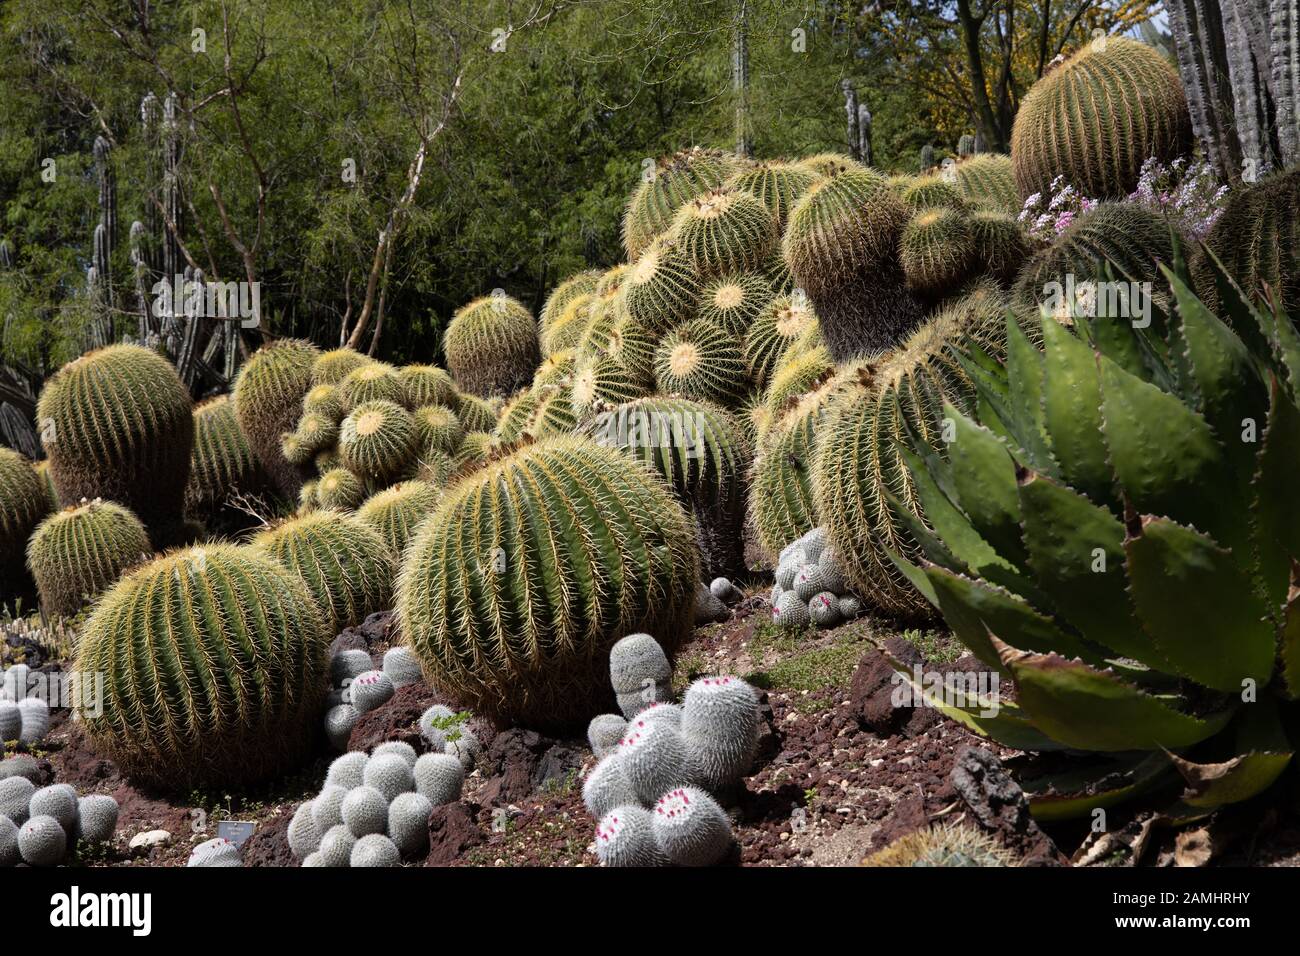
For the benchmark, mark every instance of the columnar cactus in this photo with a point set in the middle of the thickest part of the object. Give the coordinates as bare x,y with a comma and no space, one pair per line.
379,440
662,288
396,511
345,564
777,185
841,246
674,181
860,464
701,451
491,345
23,503
735,300
222,463
517,626
724,230
937,251
987,181
268,400
82,550
118,424
700,361
1068,120
214,668
1134,240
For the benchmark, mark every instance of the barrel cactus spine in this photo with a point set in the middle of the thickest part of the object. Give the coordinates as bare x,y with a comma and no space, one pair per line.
735,300
379,441
222,463
491,345
580,283
79,552
986,181
662,288
700,361
673,181
340,489
724,231
937,251
777,185
23,503
426,385
330,368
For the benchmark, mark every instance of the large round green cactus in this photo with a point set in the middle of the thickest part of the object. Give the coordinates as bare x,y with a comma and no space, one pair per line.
82,550
345,564
632,345
268,400
674,181
1257,238
222,464
426,385
781,502
824,165
1132,238
602,382
700,449
799,372
475,414
860,462
214,666
699,360
725,230
777,185
662,289
1097,117
374,381
514,590
438,428
987,181
118,424
734,301
396,511
841,244
932,192
553,414
379,441
23,503
339,489
330,368
937,251
1001,246
565,330
516,415
776,328
491,345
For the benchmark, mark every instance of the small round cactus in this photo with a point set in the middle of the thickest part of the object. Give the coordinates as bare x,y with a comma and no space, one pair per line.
402,666
80,551
600,382
217,852
937,251
327,807
396,511
824,609
42,841
777,185
432,725
1001,246
222,463
464,746
15,795
59,801
724,230
11,721
947,845
662,289
776,328
604,732
720,728
340,490
302,835
607,786
375,849
324,400
438,428
339,723
690,828
426,385
365,811
491,345
654,758
439,778
330,368
639,672
397,748
378,440
34,714
932,192
987,182
268,400
374,381
735,300
336,847
347,771
789,611
675,180
371,690
408,823
809,581
633,347
700,361
9,852
850,607
390,774
348,664
625,837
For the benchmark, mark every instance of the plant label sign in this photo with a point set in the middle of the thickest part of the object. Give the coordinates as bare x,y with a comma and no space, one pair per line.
236,831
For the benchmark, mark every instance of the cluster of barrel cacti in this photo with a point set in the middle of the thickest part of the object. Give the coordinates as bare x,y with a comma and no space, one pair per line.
40,826
374,809
663,767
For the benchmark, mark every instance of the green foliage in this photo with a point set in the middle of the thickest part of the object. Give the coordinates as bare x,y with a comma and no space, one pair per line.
1097,118
80,551
268,400
1123,524
224,670
345,564
491,346
118,424
516,617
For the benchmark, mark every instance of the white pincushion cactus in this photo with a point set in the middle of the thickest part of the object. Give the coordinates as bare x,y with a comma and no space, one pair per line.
327,808
9,853
808,581
347,665
408,823
365,811
336,847
303,836
639,673
439,778
789,611
390,774
604,732
808,569
42,841
690,828
720,727
96,818
653,754
375,849
607,786
339,722
625,837
35,716
824,609
15,794
399,748
11,721
58,801
217,852
371,690
348,771
402,666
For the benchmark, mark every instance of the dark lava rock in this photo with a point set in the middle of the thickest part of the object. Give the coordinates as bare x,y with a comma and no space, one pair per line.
998,803
872,693
518,762
453,829
373,634
398,719
269,844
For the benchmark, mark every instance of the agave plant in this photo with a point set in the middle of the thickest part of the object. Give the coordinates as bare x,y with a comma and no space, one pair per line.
1118,533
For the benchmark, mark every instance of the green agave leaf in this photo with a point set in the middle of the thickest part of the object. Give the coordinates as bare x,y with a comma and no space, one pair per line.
1199,606
1119,342
1286,346
1072,413
953,528
998,720
1242,315
1025,380
1096,784
974,608
915,575
932,548
1289,641
1276,515
1090,709
1076,551
1165,456
1263,753
984,479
